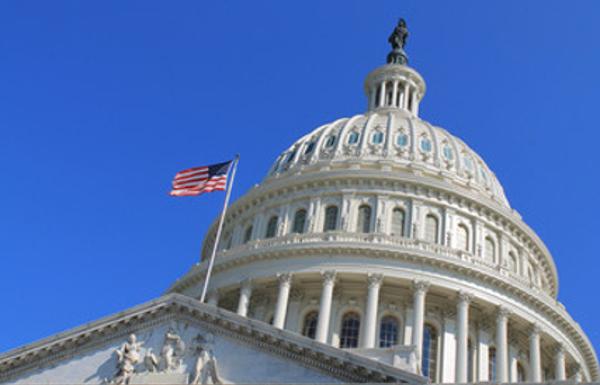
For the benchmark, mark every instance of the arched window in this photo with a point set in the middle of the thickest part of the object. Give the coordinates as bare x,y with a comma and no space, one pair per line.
388,332
398,222
309,148
492,364
377,137
350,330
330,141
353,137
431,228
309,328
429,352
489,251
272,227
462,237
512,262
331,214
521,375
364,219
299,221
248,234
425,144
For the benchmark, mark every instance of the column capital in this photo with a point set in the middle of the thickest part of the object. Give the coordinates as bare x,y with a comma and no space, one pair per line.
246,284
374,280
421,286
503,312
559,349
464,297
534,330
284,278
329,277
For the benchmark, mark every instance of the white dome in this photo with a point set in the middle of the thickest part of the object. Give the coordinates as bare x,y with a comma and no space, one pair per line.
394,138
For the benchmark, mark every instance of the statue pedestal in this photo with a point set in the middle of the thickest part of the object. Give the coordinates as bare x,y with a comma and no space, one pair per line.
158,378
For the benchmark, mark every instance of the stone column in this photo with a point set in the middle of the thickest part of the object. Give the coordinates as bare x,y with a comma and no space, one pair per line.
535,360
370,330
395,94
325,306
372,98
420,289
462,336
244,301
382,95
560,372
285,282
213,298
406,96
578,376
502,345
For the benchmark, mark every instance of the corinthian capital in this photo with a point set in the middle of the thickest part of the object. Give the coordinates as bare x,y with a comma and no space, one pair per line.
421,286
503,312
374,280
464,297
284,278
328,277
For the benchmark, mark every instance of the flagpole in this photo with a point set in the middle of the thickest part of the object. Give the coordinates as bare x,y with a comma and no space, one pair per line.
219,228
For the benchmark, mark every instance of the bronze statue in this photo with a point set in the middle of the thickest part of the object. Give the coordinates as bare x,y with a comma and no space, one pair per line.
398,40
398,37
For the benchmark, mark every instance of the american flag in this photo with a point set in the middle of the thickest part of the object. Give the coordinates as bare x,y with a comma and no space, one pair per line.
198,180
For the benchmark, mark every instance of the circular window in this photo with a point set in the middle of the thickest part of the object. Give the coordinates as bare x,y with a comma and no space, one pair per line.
401,140
377,137
448,154
425,145
353,137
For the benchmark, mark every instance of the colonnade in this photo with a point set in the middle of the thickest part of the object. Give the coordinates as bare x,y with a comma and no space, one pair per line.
419,290
397,93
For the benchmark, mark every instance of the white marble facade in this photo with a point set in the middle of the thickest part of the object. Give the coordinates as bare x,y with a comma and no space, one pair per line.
379,248
386,235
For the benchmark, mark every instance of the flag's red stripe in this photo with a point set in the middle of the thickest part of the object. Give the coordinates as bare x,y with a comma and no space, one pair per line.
199,184
192,169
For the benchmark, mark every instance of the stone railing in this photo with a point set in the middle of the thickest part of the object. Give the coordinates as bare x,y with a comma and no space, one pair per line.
402,243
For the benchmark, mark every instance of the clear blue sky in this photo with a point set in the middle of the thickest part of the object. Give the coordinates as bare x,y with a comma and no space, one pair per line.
102,101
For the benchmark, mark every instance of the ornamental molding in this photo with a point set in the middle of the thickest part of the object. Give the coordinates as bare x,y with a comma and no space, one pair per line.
340,364
544,305
301,187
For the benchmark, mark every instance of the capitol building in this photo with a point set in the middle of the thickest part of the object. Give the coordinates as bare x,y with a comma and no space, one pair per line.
378,248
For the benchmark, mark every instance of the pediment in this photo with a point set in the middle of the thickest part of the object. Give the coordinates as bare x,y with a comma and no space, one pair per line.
177,339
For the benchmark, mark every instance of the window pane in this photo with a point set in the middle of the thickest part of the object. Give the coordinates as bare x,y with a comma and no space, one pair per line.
299,221
431,229
462,237
331,214
398,222
248,234
271,227
353,138
492,364
350,330
489,253
364,219
330,141
310,324
377,137
429,352
425,144
401,140
388,332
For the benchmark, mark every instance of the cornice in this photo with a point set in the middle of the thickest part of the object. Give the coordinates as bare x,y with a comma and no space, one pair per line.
430,255
426,189
307,352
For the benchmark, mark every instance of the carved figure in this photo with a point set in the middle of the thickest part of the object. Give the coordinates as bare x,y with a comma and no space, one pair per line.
399,35
398,40
206,363
128,355
151,361
172,351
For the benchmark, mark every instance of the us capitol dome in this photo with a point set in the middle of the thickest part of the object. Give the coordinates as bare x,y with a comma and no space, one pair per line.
388,236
